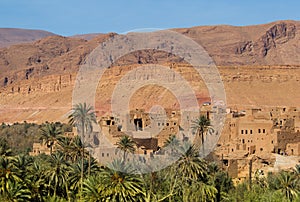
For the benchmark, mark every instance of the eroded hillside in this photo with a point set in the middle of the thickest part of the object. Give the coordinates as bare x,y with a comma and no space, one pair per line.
259,65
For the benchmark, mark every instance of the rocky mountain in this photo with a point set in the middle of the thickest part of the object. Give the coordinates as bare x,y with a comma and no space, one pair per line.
275,43
11,36
86,36
259,65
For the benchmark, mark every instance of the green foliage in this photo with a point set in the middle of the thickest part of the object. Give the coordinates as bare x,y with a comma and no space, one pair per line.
68,174
126,145
282,186
83,116
50,134
202,127
57,177
118,183
21,136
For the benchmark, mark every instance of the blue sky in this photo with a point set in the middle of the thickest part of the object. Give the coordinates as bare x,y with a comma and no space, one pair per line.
97,16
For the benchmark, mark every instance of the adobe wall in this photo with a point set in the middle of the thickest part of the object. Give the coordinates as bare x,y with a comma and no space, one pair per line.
39,148
256,134
284,138
293,149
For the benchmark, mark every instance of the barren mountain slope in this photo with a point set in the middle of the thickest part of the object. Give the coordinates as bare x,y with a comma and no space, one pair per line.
11,36
259,65
276,43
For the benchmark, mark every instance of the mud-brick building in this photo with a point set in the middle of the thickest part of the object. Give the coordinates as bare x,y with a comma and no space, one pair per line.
288,142
255,136
41,147
149,130
247,132
286,125
109,125
157,125
239,168
293,149
286,118
260,133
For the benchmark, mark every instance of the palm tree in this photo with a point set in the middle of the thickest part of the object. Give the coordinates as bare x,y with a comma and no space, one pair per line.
8,173
297,169
199,191
220,180
57,174
91,189
202,126
297,173
75,176
82,117
50,134
287,183
172,143
190,166
22,163
121,186
159,185
4,148
126,145
77,148
75,173
16,192
64,146
71,148
35,180
112,185
190,176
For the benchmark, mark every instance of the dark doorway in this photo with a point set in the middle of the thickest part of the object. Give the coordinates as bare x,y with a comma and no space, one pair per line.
138,123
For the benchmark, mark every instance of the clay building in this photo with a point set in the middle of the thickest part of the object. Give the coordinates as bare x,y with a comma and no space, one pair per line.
246,134
41,147
287,138
293,149
239,168
149,130
259,133
157,125
109,125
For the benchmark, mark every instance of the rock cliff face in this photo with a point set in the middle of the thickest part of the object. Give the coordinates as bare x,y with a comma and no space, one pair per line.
278,34
49,56
270,44
259,65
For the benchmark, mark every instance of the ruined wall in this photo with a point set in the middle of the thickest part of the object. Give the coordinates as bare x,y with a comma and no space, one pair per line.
284,138
39,148
147,143
293,149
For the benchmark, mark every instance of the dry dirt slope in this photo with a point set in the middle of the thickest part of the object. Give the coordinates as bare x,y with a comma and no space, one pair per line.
11,36
259,66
